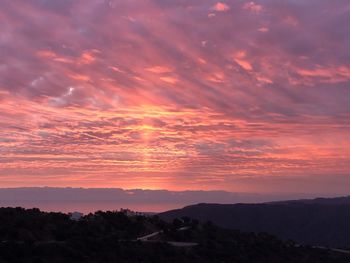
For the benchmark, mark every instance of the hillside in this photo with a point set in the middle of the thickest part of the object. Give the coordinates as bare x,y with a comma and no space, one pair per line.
318,222
35,236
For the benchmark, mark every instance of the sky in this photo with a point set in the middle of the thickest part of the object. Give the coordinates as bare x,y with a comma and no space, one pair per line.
242,96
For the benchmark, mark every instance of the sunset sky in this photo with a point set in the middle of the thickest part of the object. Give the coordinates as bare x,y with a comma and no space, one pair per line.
176,94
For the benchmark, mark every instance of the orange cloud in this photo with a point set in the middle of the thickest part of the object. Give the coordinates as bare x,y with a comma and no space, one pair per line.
79,77
221,7
240,59
159,69
244,64
170,80
87,57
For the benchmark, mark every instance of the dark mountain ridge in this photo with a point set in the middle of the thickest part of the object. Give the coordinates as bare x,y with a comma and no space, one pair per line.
319,222
342,200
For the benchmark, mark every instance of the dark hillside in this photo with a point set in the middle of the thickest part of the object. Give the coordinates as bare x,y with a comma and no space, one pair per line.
323,224
33,236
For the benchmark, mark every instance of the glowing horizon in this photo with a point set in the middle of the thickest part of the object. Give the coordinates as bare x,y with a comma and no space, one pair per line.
246,96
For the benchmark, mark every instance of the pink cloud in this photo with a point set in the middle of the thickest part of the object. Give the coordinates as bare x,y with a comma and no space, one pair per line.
253,7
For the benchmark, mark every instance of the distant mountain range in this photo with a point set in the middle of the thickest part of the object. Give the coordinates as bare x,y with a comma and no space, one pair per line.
321,221
137,195
91,199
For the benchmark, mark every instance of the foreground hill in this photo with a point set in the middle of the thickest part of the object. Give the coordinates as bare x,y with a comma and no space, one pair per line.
318,222
34,236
